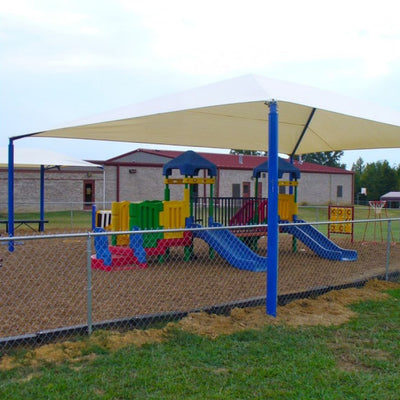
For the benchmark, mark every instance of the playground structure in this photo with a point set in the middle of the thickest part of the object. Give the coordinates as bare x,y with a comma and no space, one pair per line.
156,215
230,241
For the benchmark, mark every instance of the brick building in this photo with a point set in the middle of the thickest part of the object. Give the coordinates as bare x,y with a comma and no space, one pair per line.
137,176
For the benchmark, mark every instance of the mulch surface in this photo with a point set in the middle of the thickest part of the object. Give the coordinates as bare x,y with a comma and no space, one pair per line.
44,285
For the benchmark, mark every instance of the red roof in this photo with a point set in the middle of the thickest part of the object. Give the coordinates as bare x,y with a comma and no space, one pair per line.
245,162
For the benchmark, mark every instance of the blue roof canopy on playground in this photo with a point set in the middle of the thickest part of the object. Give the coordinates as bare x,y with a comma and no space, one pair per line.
283,167
190,163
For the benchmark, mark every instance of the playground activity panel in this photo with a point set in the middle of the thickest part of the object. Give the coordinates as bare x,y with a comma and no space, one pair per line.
342,216
131,251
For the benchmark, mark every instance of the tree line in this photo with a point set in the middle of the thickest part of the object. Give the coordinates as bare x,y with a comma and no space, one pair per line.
377,177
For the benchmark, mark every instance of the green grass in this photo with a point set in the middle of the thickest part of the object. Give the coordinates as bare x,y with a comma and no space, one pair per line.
59,219
357,360
73,219
83,220
371,231
316,213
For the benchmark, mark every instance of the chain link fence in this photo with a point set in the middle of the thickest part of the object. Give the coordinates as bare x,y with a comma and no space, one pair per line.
54,286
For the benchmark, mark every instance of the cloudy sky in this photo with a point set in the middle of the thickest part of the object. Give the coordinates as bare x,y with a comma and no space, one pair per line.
67,59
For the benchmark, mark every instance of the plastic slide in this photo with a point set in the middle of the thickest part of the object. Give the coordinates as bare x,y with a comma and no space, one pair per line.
318,242
232,249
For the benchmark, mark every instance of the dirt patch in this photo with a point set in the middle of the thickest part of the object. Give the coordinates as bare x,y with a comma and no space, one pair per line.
325,310
348,360
328,309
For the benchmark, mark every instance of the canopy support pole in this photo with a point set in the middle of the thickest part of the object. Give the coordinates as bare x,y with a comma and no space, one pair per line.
41,223
310,117
272,247
11,194
291,160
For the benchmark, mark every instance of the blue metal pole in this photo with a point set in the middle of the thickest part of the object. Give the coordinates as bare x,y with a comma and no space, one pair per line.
272,247
11,194
94,210
41,224
291,176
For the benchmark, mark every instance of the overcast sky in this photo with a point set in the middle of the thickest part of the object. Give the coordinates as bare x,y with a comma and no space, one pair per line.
67,59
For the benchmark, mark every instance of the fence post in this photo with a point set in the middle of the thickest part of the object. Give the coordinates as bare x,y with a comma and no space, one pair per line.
89,283
389,230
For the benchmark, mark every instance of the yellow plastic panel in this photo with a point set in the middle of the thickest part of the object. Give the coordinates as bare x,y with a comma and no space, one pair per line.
286,207
120,221
174,217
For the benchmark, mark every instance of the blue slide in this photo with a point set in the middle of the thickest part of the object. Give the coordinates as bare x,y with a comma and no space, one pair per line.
318,242
232,249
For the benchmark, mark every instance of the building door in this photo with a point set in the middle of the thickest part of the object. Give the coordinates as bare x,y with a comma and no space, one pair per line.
88,194
246,189
259,189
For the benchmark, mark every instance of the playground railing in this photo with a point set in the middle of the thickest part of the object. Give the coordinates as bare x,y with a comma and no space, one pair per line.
52,286
223,209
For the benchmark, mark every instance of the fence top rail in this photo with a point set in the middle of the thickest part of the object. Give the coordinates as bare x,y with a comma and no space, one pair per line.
236,227
137,232
353,221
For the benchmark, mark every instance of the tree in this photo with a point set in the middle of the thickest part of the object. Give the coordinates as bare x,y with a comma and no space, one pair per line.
358,167
328,158
379,178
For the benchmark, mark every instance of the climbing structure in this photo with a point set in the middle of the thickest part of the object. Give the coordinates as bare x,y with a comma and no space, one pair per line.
157,216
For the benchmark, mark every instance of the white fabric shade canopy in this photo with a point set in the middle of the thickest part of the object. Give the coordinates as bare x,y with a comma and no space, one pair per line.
29,157
232,114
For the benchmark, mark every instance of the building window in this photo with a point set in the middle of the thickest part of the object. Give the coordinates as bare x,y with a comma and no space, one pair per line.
235,190
246,189
339,191
282,189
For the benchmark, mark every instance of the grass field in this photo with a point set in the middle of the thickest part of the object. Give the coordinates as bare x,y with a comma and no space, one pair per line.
360,213
371,231
82,220
59,219
359,359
